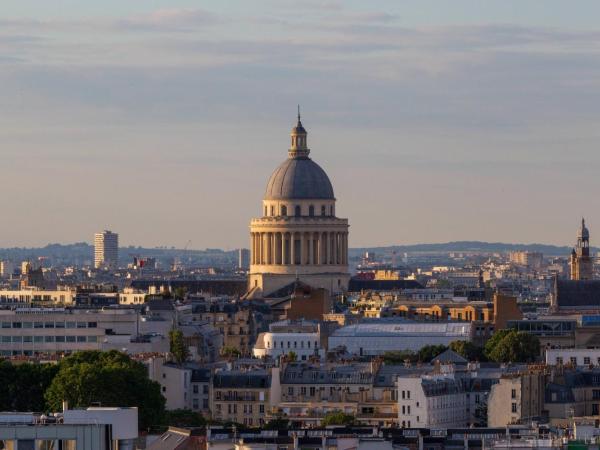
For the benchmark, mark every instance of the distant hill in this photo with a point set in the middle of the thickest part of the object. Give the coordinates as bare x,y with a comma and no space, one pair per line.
471,246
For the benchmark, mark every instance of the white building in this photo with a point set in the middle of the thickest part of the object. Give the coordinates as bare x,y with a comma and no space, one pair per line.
573,356
106,249
303,340
379,337
77,429
50,331
432,401
33,294
184,387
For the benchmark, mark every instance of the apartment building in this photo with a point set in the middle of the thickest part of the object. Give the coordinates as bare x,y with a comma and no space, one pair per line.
573,356
435,400
233,320
245,396
185,386
517,398
60,297
310,390
106,250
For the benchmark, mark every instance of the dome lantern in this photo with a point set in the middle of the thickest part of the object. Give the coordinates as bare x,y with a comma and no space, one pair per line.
299,147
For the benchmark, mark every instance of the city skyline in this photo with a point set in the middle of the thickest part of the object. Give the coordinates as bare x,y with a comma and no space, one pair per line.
435,125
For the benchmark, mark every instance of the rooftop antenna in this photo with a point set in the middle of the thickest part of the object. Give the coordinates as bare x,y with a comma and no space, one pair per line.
298,112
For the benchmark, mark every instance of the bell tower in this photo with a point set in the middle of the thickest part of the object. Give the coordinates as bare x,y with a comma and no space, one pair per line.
581,263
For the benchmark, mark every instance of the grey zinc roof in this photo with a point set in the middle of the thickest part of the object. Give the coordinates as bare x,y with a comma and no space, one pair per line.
299,178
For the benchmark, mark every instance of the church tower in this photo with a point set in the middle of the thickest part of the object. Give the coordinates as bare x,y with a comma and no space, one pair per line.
581,262
299,237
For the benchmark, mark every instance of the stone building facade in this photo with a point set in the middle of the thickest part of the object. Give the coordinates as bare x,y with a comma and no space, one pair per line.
581,261
299,236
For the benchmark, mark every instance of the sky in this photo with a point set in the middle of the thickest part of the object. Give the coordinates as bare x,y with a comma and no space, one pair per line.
162,120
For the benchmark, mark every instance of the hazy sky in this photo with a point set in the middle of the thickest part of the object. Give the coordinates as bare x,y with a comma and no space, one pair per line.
162,120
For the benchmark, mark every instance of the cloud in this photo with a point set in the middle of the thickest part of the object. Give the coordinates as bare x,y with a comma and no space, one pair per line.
170,20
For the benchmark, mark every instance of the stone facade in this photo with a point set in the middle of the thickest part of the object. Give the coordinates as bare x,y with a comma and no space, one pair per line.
299,236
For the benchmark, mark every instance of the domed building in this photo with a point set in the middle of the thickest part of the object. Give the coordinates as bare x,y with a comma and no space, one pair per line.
298,236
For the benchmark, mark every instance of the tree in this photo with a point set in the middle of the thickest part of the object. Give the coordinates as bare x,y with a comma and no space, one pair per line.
29,385
177,346
493,341
292,356
277,424
184,418
337,418
399,356
429,352
22,386
230,352
516,346
467,350
109,379
179,293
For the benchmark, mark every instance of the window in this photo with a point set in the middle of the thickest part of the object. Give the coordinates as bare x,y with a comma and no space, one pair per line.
27,325
311,211
312,391
284,210
290,390
323,210
595,409
16,324
38,324
261,408
513,407
573,360
587,360
513,393
60,339
205,388
195,388
297,211
6,324
272,210
49,339
407,394
48,324
559,360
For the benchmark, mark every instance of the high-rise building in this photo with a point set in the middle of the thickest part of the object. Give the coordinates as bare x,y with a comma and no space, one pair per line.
243,259
106,249
581,261
299,237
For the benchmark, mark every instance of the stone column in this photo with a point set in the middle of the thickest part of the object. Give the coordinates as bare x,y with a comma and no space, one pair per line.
293,247
283,249
334,248
302,248
346,248
310,249
328,238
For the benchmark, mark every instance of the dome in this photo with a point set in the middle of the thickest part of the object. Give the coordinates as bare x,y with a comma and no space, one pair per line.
299,178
